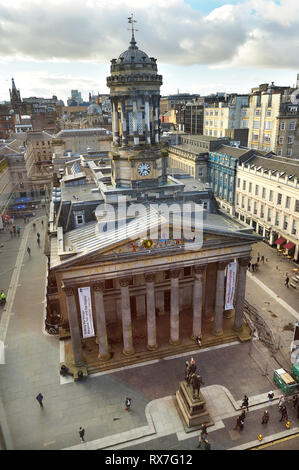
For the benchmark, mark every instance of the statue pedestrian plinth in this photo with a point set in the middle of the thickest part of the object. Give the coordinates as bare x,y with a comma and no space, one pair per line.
192,410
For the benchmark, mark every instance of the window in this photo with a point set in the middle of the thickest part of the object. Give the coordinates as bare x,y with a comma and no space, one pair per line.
282,126
269,216
268,112
292,125
264,193
255,208
255,137
79,219
249,205
288,202
239,181
280,139
250,187
277,218
242,202
257,112
262,211
244,185
290,139
268,125
256,189
256,124
279,197
294,231
289,152
297,205
285,222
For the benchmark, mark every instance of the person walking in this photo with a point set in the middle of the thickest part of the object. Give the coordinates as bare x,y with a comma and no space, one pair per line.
11,234
287,280
270,396
284,413
18,231
265,417
33,225
295,401
38,241
263,259
202,438
39,398
28,251
38,235
42,223
281,401
258,259
248,266
243,415
128,404
82,433
239,423
245,402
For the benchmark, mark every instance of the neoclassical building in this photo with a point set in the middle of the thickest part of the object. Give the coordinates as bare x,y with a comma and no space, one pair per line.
128,292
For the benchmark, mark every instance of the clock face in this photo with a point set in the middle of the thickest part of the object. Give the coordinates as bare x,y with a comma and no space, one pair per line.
144,169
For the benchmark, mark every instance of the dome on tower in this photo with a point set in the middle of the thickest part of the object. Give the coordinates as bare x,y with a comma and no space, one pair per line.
133,55
94,108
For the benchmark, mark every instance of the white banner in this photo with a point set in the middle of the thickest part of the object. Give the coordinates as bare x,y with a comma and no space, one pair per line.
86,312
231,275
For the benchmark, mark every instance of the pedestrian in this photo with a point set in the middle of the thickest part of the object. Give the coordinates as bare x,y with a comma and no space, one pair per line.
265,417
198,340
33,225
281,401
245,402
11,234
284,413
128,404
270,396
243,415
239,423
295,401
38,235
18,231
14,230
28,251
39,398
202,438
258,259
287,280
42,223
263,259
81,434
256,266
38,241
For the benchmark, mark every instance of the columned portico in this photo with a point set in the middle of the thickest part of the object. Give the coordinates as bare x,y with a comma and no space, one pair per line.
126,316
174,307
74,325
241,287
151,312
197,300
98,291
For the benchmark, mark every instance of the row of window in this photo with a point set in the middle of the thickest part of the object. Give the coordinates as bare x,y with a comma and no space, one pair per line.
271,194
252,206
268,125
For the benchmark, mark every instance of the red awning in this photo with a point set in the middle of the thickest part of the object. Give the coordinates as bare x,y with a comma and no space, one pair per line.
289,245
280,241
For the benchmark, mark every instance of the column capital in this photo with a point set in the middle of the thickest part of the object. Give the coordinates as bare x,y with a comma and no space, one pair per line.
124,281
69,291
174,273
221,265
199,268
243,261
150,277
98,286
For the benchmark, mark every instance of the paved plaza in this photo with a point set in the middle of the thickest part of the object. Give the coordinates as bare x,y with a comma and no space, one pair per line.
30,364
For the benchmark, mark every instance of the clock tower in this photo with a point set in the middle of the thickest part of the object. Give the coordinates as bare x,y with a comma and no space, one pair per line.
138,161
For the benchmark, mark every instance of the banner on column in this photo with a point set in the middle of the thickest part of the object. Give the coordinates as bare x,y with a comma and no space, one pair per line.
86,312
231,275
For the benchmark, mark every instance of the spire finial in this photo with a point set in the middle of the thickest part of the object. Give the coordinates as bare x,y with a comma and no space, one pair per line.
131,21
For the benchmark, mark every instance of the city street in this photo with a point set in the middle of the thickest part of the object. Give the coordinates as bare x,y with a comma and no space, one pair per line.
31,365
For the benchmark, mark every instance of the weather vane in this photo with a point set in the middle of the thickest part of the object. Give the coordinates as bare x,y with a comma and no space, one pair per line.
132,21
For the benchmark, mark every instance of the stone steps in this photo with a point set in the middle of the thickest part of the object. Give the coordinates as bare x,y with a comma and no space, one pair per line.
97,366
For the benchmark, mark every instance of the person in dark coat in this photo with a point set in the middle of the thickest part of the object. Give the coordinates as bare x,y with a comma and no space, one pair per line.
239,423
39,398
265,417
245,402
128,404
284,413
295,401
81,434
287,280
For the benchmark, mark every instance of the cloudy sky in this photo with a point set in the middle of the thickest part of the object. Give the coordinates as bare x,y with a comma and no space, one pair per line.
202,46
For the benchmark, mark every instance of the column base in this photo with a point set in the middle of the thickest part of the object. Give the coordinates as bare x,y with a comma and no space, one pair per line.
174,343
152,348
129,353
238,329
106,357
228,313
218,332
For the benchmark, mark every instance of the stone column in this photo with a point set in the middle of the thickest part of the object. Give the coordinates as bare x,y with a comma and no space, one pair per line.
219,301
241,286
135,122
98,292
115,123
156,120
74,325
147,121
174,308
151,312
197,300
126,316
124,123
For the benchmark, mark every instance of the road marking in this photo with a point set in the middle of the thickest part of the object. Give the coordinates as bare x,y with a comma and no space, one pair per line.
274,296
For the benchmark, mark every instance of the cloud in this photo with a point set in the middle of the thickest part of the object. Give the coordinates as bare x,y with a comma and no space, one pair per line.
248,34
